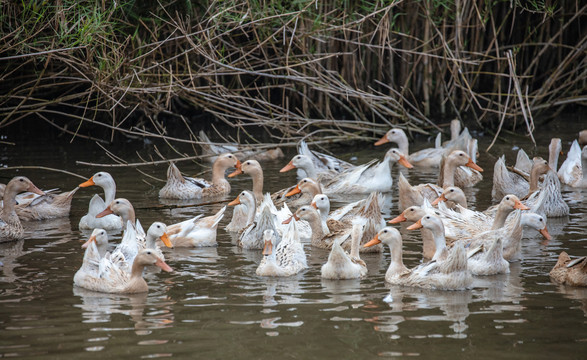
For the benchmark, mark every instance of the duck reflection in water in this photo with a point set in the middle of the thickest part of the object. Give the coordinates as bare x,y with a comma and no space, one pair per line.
99,308
453,304
282,291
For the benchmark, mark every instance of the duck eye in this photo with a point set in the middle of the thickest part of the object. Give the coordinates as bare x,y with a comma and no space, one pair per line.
452,190
148,252
99,175
21,180
461,154
507,198
384,231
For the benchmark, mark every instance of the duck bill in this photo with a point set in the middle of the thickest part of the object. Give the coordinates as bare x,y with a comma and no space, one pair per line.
160,263
268,248
288,167
403,161
545,233
373,241
313,204
288,220
238,164
398,219
90,182
473,166
107,211
382,141
417,225
166,240
238,171
32,188
87,243
294,191
520,206
438,200
235,202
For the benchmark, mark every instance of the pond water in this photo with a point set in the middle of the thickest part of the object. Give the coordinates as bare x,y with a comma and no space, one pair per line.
214,305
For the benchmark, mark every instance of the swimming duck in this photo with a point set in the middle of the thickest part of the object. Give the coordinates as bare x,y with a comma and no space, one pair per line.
123,208
10,226
321,202
569,271
581,183
548,200
571,169
487,258
465,176
430,157
451,166
110,278
184,188
52,205
100,238
340,264
323,162
450,273
196,232
97,204
306,165
243,151
251,236
284,259
373,176
157,231
413,214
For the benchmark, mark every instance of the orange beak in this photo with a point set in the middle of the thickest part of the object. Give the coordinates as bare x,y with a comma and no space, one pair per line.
373,241
438,200
90,182
416,225
107,211
545,233
235,201
474,166
398,219
520,206
288,167
313,204
403,161
166,240
160,263
294,191
93,238
268,248
32,188
238,171
382,141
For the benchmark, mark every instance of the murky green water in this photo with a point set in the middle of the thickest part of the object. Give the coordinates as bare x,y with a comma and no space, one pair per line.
214,306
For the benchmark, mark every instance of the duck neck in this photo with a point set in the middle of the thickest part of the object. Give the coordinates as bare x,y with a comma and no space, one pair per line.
151,241
310,170
396,266
500,216
553,154
316,226
403,145
324,213
440,243
455,129
9,199
355,242
109,191
218,170
257,177
102,248
448,173
137,283
128,215
534,175
252,211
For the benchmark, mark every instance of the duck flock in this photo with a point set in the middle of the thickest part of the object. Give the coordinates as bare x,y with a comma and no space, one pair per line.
457,242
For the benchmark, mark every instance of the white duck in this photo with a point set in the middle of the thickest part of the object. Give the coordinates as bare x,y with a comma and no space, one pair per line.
251,236
342,265
196,232
244,151
548,200
323,162
284,259
185,188
450,273
97,204
571,170
582,181
363,179
100,238
305,164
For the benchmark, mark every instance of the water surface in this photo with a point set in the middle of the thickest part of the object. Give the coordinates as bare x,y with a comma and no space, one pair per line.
214,305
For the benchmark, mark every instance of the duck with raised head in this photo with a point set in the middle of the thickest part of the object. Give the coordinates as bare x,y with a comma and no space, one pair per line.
108,277
413,214
363,179
430,157
10,225
97,204
251,236
100,238
452,196
185,188
323,162
305,164
342,265
286,258
571,169
214,149
196,232
450,273
156,232
123,208
569,271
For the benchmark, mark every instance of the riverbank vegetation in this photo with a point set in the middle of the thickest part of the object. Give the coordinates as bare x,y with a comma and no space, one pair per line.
327,70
